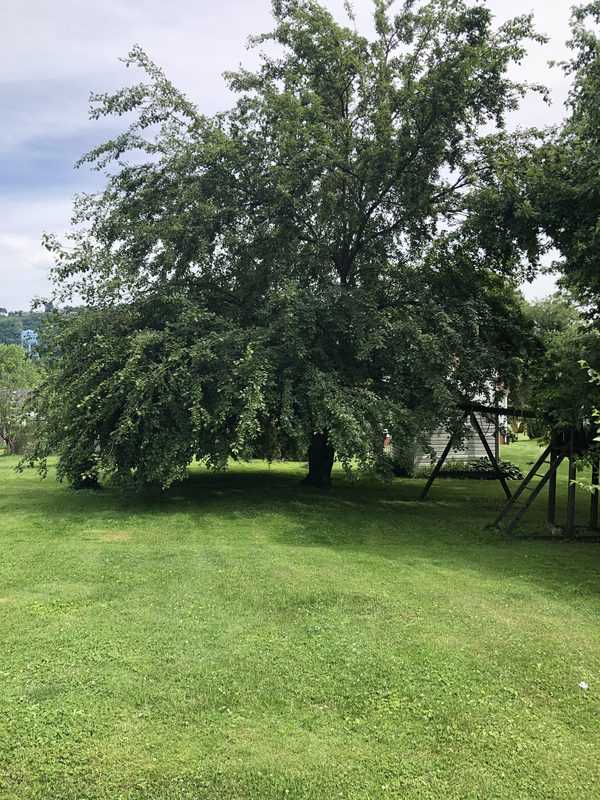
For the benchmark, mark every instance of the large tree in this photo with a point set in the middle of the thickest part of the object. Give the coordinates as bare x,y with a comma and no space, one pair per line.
303,271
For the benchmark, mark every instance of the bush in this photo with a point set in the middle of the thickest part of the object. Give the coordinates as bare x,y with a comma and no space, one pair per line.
479,469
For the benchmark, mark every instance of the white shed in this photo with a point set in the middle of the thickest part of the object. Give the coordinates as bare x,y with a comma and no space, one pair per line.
473,446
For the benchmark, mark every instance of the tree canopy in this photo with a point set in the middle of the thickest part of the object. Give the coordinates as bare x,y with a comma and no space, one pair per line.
309,268
552,187
560,179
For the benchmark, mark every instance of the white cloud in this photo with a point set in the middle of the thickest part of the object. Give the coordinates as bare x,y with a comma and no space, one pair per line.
23,270
24,263
70,41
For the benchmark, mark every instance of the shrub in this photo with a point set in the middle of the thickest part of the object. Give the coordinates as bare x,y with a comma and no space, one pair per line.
479,469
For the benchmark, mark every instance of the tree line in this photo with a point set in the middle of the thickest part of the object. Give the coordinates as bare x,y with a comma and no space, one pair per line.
13,322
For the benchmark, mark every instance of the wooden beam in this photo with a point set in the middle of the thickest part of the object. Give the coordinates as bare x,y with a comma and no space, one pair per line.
571,493
497,438
507,411
440,463
594,502
551,514
535,492
491,456
524,483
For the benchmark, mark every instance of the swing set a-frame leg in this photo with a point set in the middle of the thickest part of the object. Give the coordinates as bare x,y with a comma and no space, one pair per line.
491,456
441,460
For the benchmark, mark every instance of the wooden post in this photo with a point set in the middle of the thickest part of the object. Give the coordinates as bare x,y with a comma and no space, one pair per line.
552,490
572,488
497,438
490,455
534,493
440,463
523,485
594,503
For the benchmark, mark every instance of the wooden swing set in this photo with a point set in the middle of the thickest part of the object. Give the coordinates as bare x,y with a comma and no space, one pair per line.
571,445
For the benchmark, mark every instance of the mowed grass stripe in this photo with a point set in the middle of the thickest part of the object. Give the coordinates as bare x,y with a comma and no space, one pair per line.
243,637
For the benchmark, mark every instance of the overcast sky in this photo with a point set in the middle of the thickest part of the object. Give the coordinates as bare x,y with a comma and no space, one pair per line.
53,52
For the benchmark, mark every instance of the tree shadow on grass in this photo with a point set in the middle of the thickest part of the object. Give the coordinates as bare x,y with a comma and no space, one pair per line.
389,521
381,520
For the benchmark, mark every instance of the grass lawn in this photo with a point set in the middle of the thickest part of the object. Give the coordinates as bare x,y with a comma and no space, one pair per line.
243,637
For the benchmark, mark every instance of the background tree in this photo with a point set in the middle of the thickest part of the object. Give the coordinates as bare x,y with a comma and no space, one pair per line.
18,376
556,190
562,176
548,318
553,380
14,322
553,314
302,270
562,392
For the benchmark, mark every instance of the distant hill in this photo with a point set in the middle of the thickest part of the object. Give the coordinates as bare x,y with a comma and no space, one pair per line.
14,322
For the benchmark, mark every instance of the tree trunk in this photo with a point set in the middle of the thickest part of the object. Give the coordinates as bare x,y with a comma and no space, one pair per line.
320,461
9,445
87,477
87,482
